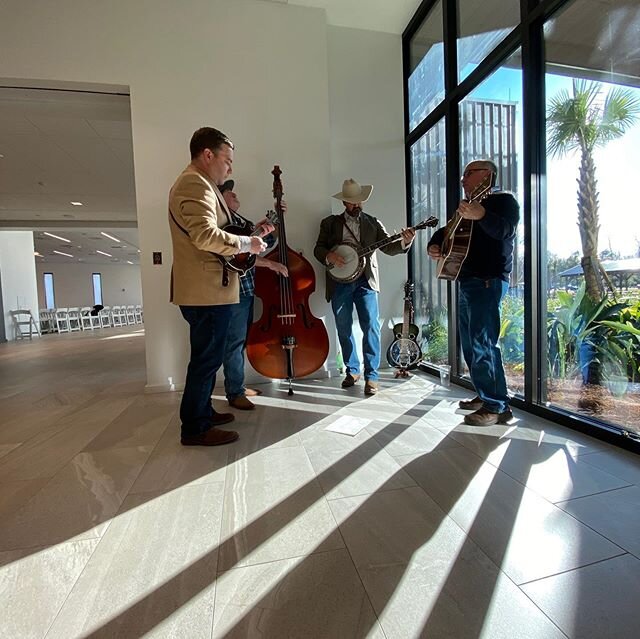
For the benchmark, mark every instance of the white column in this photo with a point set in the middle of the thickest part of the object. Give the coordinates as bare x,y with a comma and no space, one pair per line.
18,276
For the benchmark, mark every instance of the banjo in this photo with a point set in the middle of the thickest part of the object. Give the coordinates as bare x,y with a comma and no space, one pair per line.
354,256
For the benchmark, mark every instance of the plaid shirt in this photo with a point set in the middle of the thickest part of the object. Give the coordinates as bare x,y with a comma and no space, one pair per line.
247,281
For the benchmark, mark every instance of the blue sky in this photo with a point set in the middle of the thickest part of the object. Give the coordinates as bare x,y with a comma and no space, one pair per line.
617,166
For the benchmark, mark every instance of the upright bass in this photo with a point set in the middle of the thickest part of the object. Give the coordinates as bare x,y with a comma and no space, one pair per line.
287,341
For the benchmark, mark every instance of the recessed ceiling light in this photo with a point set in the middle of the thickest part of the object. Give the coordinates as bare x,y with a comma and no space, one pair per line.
61,253
115,239
129,262
103,253
64,239
1,156
76,203
37,254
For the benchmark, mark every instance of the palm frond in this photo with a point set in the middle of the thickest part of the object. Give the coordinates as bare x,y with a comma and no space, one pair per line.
621,108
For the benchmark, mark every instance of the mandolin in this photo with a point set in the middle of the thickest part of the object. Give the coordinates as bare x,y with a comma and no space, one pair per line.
404,352
243,262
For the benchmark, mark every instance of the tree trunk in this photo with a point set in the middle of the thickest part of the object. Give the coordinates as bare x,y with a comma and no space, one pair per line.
589,226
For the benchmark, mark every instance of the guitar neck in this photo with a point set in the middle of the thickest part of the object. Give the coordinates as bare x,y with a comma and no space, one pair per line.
405,318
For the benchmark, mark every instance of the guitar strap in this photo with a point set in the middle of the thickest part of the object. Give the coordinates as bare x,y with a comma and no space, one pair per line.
351,233
225,269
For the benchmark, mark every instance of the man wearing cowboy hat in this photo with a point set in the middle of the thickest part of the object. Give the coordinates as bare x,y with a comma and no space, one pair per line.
356,226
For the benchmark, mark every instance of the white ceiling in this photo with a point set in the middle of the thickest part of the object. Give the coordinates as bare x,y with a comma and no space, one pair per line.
64,146
83,245
59,147
390,16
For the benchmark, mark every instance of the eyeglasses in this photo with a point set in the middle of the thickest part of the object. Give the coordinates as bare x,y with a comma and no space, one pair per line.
468,172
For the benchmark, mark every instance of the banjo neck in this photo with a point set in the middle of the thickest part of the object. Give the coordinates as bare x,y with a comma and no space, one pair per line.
367,250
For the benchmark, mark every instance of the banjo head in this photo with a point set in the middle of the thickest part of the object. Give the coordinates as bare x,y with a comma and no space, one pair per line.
353,266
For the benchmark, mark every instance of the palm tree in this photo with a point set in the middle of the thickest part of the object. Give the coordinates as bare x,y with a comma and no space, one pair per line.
583,122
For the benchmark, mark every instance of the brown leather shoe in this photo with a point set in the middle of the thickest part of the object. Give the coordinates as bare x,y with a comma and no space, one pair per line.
213,437
222,418
241,403
470,404
370,388
252,392
484,417
350,380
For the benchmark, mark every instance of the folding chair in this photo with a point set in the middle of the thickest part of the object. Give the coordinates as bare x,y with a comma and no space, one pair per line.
24,323
62,320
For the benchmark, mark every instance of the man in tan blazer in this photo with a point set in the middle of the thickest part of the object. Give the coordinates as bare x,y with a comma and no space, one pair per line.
356,226
204,290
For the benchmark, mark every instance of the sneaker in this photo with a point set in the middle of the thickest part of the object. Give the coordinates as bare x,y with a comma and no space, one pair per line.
241,403
350,380
470,404
213,437
484,417
370,388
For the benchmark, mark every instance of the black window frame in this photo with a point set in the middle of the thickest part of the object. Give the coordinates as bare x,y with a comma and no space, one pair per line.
529,37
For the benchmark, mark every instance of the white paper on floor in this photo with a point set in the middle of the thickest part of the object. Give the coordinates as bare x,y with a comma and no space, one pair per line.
348,425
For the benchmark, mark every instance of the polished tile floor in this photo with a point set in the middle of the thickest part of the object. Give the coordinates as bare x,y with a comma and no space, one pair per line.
417,526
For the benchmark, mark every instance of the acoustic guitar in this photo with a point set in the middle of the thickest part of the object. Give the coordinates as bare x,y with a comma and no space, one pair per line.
404,352
457,236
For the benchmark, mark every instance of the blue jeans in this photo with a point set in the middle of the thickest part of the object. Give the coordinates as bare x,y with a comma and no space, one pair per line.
207,336
233,364
479,317
366,302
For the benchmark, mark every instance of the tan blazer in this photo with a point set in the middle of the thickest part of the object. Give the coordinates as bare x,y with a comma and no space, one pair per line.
200,213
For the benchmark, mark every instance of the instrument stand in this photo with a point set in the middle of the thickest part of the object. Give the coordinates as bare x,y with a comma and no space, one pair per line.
402,372
288,344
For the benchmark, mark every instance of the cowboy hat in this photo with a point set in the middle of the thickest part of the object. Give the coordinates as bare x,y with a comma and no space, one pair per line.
354,193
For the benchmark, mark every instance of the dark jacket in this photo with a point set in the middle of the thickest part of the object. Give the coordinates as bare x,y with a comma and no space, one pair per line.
491,248
371,231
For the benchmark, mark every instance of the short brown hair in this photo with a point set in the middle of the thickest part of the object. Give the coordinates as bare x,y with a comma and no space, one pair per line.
207,138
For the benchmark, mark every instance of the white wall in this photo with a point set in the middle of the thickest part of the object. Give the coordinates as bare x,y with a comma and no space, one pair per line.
18,272
367,141
257,70
73,284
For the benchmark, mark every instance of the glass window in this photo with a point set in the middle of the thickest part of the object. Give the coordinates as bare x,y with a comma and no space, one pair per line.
49,297
592,242
491,128
97,288
426,70
482,26
428,197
